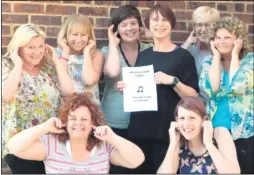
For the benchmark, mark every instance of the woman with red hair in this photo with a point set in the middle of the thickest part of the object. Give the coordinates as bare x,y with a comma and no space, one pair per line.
76,141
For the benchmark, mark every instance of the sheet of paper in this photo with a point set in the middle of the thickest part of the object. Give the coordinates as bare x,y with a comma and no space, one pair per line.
140,93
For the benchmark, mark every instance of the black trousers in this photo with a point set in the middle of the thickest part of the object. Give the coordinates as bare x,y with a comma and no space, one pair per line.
155,151
22,166
118,169
244,148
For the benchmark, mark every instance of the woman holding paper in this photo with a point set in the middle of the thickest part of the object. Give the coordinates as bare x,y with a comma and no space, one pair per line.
175,76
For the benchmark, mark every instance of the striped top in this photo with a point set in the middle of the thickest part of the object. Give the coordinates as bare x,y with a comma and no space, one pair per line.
58,160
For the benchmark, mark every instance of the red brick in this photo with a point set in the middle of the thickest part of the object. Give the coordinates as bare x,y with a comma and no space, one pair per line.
6,7
180,26
102,22
109,3
179,36
251,39
225,14
225,6
239,7
250,8
5,30
183,15
51,41
14,18
52,31
29,8
246,18
194,5
178,5
163,2
251,28
5,40
59,9
78,2
93,11
101,33
148,4
46,20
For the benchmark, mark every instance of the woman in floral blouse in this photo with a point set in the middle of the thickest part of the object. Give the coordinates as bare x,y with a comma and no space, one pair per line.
32,78
227,78
194,147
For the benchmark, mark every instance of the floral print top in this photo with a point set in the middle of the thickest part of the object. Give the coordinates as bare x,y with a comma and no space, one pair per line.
75,67
35,101
240,96
191,164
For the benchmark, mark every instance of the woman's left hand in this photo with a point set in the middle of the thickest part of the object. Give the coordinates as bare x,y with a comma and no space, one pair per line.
207,132
162,78
90,48
238,44
104,133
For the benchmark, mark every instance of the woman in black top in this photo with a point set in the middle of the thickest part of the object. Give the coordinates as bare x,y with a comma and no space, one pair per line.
175,76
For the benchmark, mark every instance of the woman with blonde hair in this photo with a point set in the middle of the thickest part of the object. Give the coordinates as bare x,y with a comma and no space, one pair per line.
32,80
77,47
198,42
227,79
77,141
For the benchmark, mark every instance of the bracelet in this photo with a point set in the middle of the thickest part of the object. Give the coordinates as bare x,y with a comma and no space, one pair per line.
63,58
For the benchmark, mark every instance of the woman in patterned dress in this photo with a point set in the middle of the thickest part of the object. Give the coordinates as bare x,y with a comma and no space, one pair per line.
77,47
227,79
192,149
33,79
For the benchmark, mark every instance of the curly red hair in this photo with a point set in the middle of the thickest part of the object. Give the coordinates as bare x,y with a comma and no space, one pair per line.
71,103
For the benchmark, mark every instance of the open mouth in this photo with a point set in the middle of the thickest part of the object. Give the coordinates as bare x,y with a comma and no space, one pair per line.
130,34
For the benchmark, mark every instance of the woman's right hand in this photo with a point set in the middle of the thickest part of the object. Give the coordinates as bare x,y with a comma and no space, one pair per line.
16,59
215,52
64,46
174,133
120,86
113,36
54,125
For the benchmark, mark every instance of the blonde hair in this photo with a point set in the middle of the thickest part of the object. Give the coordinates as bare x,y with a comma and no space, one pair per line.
23,35
76,19
235,26
205,14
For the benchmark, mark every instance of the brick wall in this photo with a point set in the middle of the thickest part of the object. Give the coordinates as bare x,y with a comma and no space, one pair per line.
50,15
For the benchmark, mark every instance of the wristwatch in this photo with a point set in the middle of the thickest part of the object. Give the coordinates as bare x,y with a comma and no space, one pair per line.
175,82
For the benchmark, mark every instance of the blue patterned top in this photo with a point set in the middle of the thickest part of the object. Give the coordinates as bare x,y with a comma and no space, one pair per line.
191,164
240,96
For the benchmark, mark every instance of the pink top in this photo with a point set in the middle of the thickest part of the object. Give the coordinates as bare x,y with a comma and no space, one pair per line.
58,160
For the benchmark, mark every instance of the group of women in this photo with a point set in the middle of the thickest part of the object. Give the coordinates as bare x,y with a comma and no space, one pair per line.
54,122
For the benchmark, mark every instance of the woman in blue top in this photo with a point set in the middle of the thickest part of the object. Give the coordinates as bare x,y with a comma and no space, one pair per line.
192,149
227,78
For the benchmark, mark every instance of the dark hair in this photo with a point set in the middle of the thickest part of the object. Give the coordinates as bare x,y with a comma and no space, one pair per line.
122,13
164,10
71,103
193,104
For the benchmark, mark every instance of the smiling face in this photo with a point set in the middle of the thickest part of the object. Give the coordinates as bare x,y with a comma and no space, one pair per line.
190,123
79,124
224,41
33,52
202,30
129,29
159,26
77,38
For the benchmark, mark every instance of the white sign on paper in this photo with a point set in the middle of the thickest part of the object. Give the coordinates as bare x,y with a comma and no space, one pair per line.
140,93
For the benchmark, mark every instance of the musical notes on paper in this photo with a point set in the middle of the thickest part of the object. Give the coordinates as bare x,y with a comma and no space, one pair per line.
140,89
